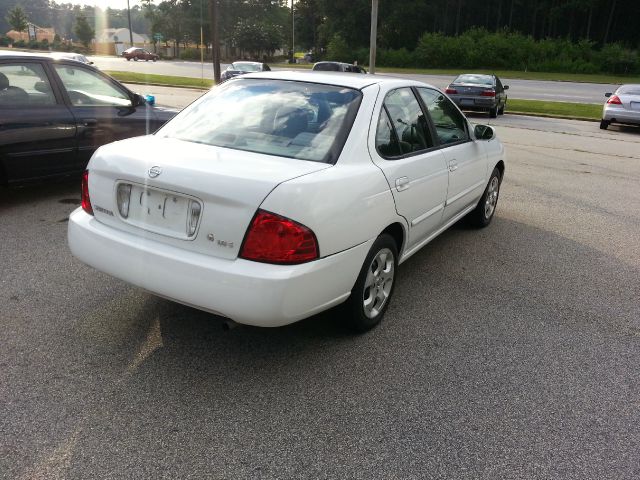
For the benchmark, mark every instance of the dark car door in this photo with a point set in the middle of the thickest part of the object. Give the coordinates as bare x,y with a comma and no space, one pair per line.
104,110
37,129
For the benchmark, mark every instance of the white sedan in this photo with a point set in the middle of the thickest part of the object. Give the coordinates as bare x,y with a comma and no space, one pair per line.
282,194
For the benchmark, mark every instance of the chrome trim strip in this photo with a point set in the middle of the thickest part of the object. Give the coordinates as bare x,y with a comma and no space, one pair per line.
426,215
464,192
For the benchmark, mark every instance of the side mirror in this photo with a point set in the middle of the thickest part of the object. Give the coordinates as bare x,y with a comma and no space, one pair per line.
608,94
484,132
138,100
506,87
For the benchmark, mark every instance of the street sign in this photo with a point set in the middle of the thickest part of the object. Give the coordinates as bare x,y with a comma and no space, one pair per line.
158,37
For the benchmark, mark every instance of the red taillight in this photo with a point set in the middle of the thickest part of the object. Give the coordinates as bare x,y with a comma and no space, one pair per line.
86,201
488,93
275,239
452,91
614,100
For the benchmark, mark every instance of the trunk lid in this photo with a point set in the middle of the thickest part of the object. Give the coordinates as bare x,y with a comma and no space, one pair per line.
167,177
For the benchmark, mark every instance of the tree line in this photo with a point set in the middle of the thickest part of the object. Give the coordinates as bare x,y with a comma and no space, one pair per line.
571,35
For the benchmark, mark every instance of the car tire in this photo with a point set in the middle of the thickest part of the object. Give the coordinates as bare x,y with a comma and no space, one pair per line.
155,59
135,59
481,216
128,59
604,124
493,112
501,111
373,289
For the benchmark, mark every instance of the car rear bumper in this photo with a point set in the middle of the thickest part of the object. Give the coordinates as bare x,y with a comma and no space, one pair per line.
248,292
621,115
474,103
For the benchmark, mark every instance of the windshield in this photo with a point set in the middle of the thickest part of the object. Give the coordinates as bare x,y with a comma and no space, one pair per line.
299,120
246,66
475,79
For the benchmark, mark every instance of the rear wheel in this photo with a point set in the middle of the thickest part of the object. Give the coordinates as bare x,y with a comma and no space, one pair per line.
372,291
604,124
135,59
483,213
493,112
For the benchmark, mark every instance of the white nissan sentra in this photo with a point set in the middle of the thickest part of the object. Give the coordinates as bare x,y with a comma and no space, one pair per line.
279,195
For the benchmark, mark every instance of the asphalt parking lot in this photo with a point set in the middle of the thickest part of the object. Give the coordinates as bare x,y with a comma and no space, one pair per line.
507,353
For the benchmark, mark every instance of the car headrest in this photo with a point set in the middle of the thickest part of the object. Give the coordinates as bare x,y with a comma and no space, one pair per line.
4,81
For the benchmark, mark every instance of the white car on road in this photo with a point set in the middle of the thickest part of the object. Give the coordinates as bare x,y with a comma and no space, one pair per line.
282,194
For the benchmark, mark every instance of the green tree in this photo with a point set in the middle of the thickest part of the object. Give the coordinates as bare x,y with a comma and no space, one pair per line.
83,30
17,19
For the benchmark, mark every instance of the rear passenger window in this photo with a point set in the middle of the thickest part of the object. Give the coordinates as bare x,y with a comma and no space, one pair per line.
408,121
24,84
449,122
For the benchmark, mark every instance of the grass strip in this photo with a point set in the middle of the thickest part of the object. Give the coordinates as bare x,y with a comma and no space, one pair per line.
560,109
535,107
503,74
170,81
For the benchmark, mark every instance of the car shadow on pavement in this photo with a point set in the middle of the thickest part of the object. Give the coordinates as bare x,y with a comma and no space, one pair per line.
65,190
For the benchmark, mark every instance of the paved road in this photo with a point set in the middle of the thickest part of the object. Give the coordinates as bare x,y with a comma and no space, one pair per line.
507,353
524,89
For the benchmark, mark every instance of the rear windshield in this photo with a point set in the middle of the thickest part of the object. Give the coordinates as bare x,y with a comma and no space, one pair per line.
327,67
629,90
246,66
475,79
306,121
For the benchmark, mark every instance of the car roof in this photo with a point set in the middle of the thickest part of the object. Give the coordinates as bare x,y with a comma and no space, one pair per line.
341,79
13,55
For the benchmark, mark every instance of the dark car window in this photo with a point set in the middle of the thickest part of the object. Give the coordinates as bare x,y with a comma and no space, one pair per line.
449,122
499,87
327,67
299,120
24,84
88,88
408,120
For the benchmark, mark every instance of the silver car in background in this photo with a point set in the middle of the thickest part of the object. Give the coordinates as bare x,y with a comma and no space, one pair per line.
623,106
476,92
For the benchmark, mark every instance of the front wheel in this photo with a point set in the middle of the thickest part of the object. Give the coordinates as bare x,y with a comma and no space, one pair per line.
372,291
128,59
483,213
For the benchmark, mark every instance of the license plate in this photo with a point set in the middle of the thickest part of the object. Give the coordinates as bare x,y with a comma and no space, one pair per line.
635,106
158,210
467,101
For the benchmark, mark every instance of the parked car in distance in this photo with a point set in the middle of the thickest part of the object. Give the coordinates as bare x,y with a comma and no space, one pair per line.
243,67
136,54
337,67
622,106
78,57
54,113
476,92
282,194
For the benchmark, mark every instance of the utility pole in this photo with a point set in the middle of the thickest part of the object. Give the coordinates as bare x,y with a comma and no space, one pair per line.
129,17
293,36
215,40
374,36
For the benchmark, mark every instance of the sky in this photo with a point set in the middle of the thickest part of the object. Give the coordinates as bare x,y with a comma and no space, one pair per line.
118,4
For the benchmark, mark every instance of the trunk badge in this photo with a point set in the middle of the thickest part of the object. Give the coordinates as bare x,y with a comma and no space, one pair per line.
154,171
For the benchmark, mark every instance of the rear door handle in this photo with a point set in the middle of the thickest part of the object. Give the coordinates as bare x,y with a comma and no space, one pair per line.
453,165
402,183
89,122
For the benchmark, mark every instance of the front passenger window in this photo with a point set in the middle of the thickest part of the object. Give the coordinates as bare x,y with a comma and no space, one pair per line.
88,88
408,121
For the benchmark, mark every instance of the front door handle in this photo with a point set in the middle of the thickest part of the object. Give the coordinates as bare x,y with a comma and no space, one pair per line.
402,183
453,165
